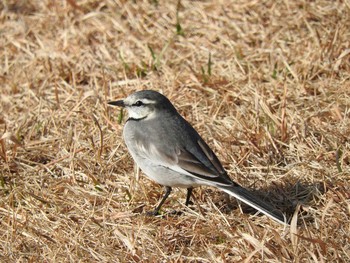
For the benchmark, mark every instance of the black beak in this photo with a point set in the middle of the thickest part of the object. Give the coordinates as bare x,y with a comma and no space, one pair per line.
119,103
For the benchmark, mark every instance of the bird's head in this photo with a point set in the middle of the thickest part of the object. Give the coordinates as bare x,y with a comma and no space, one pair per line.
144,104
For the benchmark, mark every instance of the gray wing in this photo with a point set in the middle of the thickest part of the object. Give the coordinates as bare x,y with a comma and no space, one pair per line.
188,154
198,160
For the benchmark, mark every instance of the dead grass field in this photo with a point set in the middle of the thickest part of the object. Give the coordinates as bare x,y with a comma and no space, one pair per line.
266,83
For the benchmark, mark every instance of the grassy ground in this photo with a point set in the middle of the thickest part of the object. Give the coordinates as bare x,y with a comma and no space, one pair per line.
266,83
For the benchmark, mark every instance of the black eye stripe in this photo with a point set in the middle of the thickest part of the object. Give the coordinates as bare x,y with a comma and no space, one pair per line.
138,103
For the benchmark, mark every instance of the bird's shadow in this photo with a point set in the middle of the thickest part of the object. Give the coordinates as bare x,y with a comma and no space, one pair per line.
283,196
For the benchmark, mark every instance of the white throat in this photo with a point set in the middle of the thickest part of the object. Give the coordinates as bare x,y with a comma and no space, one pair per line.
139,113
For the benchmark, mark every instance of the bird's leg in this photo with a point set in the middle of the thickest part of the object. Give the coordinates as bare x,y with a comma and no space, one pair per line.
189,193
166,194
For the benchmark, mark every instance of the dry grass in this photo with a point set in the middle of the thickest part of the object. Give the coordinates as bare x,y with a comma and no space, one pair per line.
274,103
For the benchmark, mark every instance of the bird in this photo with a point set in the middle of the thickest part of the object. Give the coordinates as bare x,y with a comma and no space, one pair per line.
172,153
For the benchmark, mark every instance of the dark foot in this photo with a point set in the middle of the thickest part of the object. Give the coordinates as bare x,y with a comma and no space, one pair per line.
152,213
176,213
189,203
156,213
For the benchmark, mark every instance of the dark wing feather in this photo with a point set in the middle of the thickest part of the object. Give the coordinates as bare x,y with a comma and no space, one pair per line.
211,156
213,172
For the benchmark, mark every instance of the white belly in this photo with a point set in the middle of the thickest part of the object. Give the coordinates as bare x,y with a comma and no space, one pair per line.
154,170
163,175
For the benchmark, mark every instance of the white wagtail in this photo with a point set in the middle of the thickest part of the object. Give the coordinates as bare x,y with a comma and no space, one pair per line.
171,152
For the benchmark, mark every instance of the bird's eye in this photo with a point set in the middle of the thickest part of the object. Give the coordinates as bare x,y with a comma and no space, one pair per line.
138,103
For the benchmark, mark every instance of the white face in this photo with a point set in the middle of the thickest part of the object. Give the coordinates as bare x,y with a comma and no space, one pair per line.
139,108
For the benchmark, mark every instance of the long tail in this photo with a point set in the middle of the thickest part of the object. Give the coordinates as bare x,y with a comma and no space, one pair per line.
252,200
